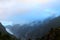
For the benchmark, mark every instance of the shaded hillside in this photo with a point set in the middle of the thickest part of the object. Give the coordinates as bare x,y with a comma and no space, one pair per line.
54,34
4,35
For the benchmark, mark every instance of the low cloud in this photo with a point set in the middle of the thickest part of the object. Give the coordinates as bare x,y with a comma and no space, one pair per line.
9,8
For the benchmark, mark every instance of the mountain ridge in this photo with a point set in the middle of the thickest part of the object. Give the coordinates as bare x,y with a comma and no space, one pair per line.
36,30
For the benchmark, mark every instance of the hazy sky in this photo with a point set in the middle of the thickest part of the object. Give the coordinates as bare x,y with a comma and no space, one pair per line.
23,11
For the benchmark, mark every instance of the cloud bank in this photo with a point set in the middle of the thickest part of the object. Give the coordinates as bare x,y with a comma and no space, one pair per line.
10,8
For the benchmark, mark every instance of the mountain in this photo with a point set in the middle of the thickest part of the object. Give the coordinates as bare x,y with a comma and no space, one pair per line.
36,29
4,35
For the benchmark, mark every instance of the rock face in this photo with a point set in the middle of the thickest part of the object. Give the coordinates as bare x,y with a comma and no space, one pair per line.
4,35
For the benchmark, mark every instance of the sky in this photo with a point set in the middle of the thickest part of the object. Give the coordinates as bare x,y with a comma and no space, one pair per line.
24,11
